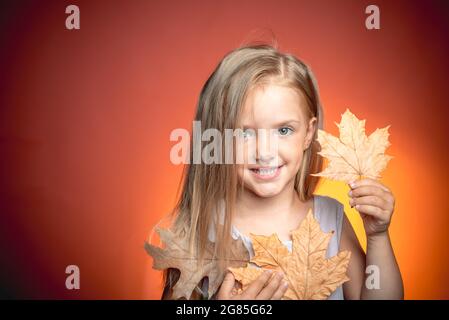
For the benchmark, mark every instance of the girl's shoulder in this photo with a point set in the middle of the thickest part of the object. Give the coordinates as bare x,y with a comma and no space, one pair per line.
327,203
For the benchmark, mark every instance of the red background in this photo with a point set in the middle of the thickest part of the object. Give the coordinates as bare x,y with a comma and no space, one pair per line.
85,118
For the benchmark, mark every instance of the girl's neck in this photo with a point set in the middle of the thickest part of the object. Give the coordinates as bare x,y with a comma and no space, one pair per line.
249,205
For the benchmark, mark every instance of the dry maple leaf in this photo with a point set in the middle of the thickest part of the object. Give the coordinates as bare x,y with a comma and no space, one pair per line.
354,155
309,274
176,254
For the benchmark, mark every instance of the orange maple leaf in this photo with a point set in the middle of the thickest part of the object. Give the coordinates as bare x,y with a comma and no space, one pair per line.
309,274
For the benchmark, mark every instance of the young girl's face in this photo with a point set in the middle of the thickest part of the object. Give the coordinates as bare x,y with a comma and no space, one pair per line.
273,155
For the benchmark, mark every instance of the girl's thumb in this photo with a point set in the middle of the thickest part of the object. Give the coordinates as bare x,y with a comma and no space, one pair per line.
228,283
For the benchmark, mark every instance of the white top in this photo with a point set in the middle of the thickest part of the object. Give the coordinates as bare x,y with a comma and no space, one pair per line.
329,213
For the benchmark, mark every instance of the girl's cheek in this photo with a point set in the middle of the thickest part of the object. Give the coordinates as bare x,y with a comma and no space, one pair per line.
290,151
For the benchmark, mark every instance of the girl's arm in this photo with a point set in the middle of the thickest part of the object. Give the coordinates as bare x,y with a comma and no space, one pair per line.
356,270
375,203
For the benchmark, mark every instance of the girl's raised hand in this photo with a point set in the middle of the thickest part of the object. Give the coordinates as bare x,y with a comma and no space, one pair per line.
263,288
374,202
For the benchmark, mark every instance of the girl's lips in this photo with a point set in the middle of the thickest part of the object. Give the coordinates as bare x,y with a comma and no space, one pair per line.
266,173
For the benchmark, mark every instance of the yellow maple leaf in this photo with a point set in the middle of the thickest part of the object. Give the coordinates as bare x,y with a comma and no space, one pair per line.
309,274
354,155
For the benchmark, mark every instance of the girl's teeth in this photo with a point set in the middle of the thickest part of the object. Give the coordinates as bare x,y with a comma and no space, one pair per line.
266,172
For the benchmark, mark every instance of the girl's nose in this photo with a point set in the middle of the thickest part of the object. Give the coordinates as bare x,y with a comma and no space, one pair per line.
265,158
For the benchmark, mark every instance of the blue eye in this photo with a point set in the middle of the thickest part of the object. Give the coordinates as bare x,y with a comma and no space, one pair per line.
284,131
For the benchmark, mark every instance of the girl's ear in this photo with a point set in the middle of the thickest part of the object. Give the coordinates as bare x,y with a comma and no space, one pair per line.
311,128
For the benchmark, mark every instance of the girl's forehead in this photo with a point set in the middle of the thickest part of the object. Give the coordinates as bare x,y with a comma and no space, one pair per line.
272,104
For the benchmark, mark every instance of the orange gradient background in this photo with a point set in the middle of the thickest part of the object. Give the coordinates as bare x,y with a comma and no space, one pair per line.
85,119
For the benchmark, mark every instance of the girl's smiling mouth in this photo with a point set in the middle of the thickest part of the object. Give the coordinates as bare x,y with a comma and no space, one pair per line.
266,173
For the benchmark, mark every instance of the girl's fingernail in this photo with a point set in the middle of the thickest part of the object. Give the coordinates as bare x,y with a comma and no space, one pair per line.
285,283
357,207
350,193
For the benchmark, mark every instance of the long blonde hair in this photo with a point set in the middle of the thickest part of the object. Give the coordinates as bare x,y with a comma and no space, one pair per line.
204,186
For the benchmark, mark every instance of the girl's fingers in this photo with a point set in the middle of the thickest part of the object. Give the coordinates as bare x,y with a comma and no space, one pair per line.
280,291
372,191
367,191
376,212
227,284
268,291
367,182
257,285
372,201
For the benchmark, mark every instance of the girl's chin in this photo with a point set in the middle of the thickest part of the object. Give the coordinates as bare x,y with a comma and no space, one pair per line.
267,193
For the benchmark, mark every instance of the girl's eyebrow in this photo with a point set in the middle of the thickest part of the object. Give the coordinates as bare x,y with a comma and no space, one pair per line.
283,123
279,124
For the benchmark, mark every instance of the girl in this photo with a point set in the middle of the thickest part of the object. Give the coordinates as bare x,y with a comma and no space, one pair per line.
257,87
